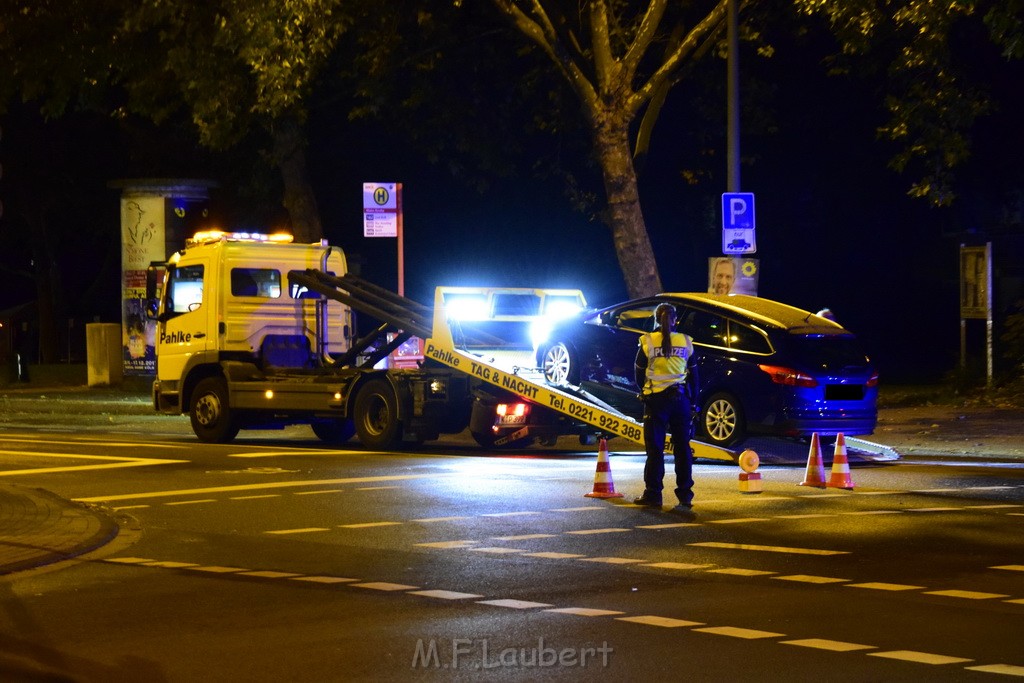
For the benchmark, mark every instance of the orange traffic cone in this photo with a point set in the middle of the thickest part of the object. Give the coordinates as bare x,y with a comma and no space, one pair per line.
604,487
815,475
840,478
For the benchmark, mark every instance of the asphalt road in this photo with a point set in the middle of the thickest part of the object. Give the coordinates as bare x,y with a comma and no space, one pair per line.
276,559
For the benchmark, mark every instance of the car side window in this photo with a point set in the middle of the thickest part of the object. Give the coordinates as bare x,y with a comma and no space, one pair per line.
745,338
706,328
637,319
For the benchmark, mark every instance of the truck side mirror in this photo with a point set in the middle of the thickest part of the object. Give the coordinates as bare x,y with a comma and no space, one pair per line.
154,278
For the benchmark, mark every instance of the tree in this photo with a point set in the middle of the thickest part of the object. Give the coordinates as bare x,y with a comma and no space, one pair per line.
619,59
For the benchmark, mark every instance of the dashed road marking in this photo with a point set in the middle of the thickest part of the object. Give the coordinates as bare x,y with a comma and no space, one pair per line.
497,550
556,556
831,645
674,525
448,545
316,493
768,548
735,632
664,622
256,497
584,611
192,502
582,508
304,530
804,578
881,586
514,604
587,532
1011,567
678,565
919,657
367,525
430,520
446,595
937,509
740,520
384,586
521,513
967,595
611,560
523,537
589,612
739,571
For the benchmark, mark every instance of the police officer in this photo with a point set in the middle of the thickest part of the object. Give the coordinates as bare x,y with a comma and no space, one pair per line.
668,382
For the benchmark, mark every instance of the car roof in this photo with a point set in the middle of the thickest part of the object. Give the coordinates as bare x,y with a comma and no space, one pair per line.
765,311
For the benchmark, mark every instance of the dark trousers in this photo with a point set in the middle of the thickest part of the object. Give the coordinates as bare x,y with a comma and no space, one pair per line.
668,411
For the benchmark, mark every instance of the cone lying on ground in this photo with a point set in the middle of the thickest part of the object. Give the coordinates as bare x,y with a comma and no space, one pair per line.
815,475
840,478
604,487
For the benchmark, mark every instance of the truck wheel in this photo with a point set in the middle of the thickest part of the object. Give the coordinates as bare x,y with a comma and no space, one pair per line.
376,416
722,420
334,431
211,416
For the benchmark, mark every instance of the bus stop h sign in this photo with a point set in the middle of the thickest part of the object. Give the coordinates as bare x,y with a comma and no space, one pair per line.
738,223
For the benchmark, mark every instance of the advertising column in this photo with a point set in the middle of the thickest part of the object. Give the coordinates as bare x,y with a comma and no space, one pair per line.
156,216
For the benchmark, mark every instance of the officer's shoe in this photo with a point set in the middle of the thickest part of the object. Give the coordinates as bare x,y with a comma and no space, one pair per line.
648,500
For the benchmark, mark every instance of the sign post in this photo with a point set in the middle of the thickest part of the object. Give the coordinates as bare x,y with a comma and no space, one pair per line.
738,223
976,299
382,217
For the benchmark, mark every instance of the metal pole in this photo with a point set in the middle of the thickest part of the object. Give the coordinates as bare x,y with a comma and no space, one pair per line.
733,108
401,240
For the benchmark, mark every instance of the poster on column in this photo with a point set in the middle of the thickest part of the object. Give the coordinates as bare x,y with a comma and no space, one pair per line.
142,241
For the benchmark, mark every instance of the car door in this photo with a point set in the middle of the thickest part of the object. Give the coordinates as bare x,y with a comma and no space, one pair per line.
614,341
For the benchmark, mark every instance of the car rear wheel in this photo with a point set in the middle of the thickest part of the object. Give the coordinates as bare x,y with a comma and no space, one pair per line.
560,366
722,420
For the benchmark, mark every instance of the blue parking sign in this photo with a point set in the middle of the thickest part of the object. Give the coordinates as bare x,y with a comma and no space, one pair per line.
738,211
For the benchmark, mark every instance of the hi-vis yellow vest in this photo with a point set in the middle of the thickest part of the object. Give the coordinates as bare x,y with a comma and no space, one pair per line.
664,371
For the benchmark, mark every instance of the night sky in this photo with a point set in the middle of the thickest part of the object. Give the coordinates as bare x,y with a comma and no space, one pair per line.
834,225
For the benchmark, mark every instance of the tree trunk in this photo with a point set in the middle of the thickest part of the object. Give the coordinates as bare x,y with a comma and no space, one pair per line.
299,200
624,215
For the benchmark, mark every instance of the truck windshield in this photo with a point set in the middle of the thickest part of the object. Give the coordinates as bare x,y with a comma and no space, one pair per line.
184,290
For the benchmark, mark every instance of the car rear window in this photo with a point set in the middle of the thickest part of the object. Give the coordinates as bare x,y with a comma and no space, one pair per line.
832,351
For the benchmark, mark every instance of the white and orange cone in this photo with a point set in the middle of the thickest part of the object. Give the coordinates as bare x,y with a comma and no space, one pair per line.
604,487
840,478
815,475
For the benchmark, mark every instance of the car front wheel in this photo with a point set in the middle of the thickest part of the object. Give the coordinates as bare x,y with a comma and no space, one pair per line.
722,420
559,365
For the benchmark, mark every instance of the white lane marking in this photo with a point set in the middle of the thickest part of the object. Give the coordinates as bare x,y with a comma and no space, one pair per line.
129,560
1000,487
737,571
117,462
498,551
267,574
130,507
739,520
805,578
735,632
170,565
323,579
256,487
446,595
881,586
919,657
967,595
587,532
219,570
584,611
1004,669
315,493
367,525
808,516
305,530
384,586
831,645
428,520
611,560
375,488
939,509
769,548
1010,567
579,509
279,453
510,514
664,622
678,565
555,556
256,497
1019,601
448,545
514,604
523,537
874,512
192,502
675,525
994,507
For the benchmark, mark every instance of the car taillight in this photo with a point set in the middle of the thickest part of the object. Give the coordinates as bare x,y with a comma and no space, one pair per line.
788,376
872,381
516,409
